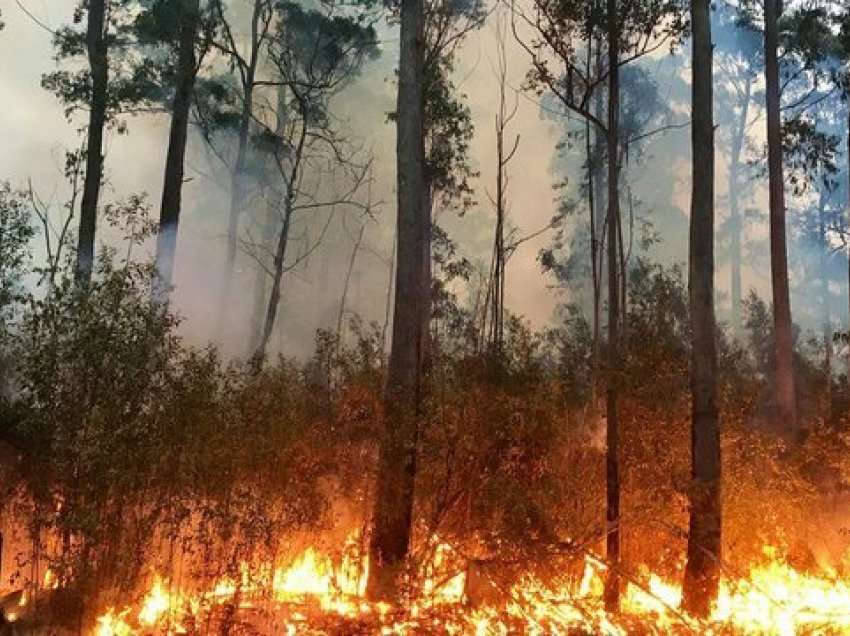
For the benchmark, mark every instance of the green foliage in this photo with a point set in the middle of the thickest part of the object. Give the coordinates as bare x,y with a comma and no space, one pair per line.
16,232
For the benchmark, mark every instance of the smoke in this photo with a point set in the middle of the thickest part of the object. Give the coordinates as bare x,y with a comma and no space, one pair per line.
35,132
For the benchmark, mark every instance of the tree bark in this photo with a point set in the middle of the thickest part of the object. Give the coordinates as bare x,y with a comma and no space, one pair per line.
704,529
99,68
169,216
612,460
392,516
784,386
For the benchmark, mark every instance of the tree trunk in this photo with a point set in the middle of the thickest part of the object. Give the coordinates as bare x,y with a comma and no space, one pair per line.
735,225
169,216
427,274
391,523
344,296
260,281
612,460
274,296
784,388
823,275
704,529
99,67
236,176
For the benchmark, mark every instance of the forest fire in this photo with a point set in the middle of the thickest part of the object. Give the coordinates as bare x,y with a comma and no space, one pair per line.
315,396
314,595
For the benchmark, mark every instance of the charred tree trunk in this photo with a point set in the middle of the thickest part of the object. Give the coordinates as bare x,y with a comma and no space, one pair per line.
99,68
392,517
735,225
169,216
612,460
704,528
784,386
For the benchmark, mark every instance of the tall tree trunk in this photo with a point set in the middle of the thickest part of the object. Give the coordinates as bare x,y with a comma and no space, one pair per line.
704,529
735,225
612,460
427,274
784,387
238,172
392,517
823,275
99,67
169,215
599,204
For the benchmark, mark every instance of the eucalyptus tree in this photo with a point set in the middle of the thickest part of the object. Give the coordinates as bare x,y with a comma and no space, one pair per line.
627,30
797,43
434,129
738,63
704,529
111,83
182,27
314,55
246,56
393,512
447,128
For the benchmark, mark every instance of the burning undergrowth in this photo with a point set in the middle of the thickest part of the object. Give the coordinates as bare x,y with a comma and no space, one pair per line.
150,488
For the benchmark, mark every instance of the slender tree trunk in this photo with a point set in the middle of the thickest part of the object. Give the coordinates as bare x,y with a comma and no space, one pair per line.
238,173
612,460
169,216
427,274
283,239
704,529
392,517
736,226
389,298
260,282
274,296
594,269
598,185
784,387
99,67
823,275
344,296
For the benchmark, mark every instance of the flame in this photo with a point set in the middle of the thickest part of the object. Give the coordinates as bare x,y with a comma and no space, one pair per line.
772,598
112,624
